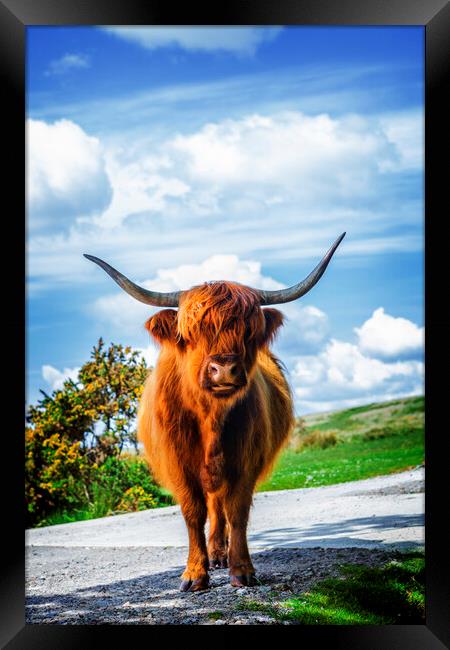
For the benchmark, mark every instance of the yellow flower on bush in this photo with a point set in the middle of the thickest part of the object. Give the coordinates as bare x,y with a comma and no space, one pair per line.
135,498
53,441
47,486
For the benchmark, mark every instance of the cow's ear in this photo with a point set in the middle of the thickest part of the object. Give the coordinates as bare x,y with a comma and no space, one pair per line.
273,320
163,326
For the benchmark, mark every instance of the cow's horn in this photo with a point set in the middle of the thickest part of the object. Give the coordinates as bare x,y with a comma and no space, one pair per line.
155,298
298,290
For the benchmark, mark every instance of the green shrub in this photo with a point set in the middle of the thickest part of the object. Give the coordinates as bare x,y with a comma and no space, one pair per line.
56,474
315,439
117,485
75,437
405,425
136,498
377,433
117,476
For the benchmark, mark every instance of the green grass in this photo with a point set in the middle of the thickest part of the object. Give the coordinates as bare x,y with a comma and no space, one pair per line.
349,461
372,440
98,509
102,505
65,517
392,594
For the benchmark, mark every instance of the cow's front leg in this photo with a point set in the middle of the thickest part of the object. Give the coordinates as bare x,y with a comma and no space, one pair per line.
195,577
237,508
218,542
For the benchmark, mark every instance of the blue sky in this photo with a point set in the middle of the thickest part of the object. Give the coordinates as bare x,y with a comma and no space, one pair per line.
186,154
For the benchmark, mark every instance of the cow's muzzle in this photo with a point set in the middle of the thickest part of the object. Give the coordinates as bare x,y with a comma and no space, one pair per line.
224,374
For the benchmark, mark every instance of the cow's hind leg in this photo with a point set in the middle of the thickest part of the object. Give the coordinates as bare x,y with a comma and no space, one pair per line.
218,538
195,577
237,508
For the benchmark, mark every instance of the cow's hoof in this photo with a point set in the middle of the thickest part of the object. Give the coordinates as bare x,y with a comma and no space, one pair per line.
195,585
218,563
247,580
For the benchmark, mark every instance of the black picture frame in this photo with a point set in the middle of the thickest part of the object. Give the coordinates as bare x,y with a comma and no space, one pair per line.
434,16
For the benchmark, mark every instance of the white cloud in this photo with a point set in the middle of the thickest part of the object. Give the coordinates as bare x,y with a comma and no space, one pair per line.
56,378
342,375
138,186
123,313
385,336
406,131
66,63
278,186
307,155
235,40
305,329
66,174
216,267
280,168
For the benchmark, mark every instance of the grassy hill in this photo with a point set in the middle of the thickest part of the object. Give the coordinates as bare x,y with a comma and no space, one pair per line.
352,444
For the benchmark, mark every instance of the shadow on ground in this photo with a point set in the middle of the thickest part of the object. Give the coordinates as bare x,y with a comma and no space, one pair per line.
154,598
342,533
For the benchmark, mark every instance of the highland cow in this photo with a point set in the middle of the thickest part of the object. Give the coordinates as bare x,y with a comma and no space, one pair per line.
216,410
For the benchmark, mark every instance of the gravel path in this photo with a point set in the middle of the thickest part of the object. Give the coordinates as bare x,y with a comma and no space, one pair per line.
126,569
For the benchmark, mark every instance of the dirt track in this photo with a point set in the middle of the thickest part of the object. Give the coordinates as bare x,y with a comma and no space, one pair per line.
95,573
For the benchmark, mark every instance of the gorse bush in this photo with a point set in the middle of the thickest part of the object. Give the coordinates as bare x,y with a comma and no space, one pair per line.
136,498
74,468
119,477
56,471
118,485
